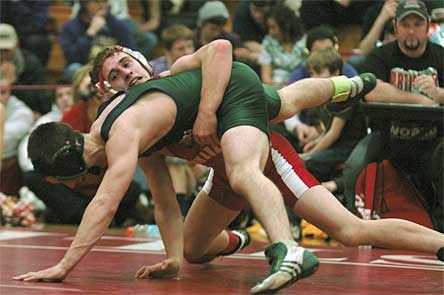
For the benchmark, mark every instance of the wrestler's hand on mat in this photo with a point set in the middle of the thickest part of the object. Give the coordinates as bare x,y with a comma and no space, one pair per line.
167,269
55,273
205,154
205,129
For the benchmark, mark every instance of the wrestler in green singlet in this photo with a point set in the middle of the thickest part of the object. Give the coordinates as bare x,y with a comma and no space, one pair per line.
246,102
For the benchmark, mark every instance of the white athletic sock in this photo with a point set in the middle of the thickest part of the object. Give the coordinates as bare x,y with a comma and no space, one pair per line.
357,86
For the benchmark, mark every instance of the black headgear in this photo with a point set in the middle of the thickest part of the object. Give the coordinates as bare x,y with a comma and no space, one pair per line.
67,162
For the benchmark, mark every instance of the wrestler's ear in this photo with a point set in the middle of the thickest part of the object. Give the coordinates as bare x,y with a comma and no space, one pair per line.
105,89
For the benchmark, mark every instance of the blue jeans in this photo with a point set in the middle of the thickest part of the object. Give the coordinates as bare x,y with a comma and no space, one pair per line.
323,164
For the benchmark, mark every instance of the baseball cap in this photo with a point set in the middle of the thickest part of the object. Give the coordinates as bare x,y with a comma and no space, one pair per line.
212,9
407,7
8,36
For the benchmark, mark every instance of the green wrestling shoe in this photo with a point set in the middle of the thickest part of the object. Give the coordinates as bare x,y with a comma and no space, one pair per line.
289,263
369,83
349,91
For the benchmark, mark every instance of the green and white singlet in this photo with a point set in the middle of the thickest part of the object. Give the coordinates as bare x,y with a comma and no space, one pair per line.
246,102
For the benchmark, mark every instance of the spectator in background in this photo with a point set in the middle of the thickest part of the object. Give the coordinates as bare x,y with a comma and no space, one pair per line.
62,102
321,37
150,28
22,67
333,12
301,125
160,14
249,23
376,30
409,70
18,122
212,18
93,28
342,131
177,41
283,47
30,19
374,24
436,29
86,102
144,35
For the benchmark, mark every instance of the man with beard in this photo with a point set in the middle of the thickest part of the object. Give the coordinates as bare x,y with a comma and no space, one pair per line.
409,70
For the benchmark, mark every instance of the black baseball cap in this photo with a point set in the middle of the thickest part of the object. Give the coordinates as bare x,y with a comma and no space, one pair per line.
407,7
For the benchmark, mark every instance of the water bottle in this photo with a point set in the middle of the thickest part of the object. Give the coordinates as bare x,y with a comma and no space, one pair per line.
148,230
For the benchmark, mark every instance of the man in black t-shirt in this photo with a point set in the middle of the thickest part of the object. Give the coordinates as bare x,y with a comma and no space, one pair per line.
409,70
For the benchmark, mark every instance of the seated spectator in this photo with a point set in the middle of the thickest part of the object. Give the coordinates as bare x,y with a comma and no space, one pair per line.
144,35
22,67
321,37
333,12
301,125
283,47
164,13
93,28
62,102
376,30
341,131
436,29
30,19
375,21
86,102
18,122
177,41
249,23
414,146
212,18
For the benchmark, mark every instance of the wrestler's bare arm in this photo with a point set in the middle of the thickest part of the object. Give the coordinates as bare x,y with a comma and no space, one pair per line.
168,217
122,161
121,152
215,59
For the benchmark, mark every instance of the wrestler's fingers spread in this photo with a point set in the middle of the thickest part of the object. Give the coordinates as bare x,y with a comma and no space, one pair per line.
145,273
139,272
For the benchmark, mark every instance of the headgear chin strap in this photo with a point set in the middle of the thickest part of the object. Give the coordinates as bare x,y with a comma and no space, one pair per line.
68,162
103,84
